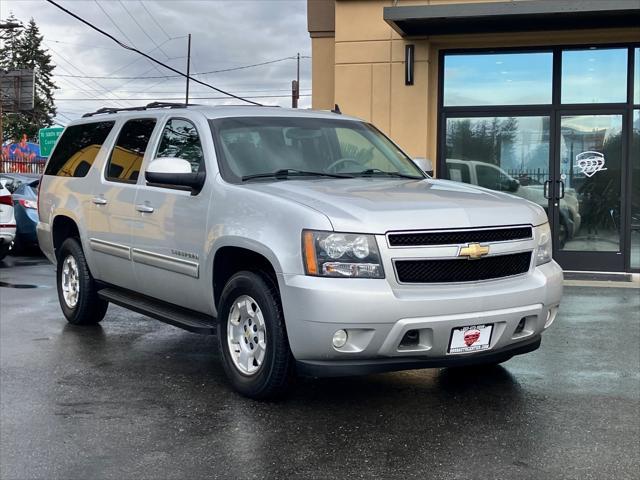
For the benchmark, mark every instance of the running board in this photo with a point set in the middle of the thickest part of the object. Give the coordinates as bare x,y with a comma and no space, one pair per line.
180,317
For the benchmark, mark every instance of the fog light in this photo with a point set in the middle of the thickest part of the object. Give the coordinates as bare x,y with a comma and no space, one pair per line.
340,338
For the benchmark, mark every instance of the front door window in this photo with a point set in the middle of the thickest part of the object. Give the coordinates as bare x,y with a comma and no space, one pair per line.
590,171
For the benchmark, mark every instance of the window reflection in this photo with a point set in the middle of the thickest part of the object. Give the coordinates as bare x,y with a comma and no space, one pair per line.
594,76
590,168
636,88
501,153
635,191
498,79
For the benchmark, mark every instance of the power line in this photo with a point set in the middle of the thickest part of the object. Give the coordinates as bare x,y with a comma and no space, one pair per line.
123,45
243,67
154,19
142,28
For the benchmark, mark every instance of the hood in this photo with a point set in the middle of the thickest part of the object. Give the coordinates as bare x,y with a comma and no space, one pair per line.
374,205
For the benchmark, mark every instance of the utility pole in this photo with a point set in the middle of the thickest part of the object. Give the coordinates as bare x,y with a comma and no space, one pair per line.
295,86
186,100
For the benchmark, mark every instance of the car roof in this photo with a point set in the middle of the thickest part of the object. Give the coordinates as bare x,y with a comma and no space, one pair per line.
213,112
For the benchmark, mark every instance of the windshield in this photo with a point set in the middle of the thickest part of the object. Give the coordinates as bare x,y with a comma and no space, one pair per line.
256,147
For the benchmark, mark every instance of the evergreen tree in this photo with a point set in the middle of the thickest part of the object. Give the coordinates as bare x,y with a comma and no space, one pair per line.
9,45
25,50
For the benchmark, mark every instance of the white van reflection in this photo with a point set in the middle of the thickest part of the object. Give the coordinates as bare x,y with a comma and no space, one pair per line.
491,176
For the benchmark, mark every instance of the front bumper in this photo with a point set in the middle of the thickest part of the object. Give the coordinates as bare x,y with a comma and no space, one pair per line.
377,315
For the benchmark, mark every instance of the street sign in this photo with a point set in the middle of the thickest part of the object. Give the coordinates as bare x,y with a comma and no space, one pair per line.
48,138
18,90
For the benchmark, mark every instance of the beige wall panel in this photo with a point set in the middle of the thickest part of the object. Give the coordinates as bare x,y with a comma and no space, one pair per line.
322,73
409,109
353,90
381,97
363,52
421,50
358,20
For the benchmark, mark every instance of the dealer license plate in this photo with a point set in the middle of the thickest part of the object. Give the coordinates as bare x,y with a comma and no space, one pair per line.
470,339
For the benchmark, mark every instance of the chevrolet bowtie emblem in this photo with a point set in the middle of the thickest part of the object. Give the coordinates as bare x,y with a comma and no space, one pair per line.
473,251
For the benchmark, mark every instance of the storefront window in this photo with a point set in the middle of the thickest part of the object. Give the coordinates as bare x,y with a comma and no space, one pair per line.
636,75
594,76
501,153
498,79
635,191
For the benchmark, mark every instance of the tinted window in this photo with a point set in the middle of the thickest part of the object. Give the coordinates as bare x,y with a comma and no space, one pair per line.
180,139
498,79
594,76
77,149
126,157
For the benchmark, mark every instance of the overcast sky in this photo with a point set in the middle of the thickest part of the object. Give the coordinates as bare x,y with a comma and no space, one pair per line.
225,34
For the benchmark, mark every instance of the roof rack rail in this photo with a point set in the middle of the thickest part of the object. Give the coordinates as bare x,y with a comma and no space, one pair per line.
107,110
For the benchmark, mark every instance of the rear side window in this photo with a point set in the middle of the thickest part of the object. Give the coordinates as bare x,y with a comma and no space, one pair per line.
126,157
77,149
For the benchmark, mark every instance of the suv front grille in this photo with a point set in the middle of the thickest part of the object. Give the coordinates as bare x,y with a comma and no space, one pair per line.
462,270
416,239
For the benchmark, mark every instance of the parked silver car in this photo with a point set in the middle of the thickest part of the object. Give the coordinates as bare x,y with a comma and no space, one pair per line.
307,241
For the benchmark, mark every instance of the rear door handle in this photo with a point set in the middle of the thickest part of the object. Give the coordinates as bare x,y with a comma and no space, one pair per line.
99,200
561,189
546,189
144,208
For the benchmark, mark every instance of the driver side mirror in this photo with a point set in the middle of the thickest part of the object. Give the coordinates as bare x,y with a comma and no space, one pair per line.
424,164
174,172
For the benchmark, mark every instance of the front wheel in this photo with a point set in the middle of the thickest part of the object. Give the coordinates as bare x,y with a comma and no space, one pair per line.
77,292
252,338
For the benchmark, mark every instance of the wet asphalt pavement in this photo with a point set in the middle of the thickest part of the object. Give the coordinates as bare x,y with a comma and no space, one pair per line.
138,399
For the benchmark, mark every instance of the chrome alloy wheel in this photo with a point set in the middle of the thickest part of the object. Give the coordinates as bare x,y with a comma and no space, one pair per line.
246,335
70,281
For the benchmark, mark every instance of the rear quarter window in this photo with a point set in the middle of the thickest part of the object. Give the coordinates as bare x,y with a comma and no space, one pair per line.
77,149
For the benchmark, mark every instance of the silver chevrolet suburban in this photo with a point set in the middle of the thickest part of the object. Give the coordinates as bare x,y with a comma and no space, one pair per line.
307,241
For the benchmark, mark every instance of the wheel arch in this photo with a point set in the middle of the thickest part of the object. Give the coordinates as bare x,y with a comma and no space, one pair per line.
229,259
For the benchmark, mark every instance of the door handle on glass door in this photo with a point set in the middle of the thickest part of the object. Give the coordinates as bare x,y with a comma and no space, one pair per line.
99,200
561,189
144,208
546,189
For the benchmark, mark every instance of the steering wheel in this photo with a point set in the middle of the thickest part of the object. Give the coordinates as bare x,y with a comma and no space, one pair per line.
332,168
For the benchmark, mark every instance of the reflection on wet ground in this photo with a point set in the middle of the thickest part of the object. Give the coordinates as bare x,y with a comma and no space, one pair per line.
134,398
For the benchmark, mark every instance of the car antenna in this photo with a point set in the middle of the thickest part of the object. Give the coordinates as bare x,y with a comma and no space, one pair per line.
336,109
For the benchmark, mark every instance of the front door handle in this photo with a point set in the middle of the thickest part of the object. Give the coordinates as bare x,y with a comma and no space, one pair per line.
561,189
99,200
546,189
144,208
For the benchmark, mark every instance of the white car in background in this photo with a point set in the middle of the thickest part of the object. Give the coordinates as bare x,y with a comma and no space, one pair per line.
7,221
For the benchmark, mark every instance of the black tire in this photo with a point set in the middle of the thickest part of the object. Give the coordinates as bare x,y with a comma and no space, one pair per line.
89,309
4,249
275,374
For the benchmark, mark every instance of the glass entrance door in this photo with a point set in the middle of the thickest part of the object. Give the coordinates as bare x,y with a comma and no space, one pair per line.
586,191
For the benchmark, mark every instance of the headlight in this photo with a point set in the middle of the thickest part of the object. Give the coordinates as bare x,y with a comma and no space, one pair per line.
332,254
544,250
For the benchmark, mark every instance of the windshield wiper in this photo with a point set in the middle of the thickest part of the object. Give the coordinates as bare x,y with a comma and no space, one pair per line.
285,173
376,171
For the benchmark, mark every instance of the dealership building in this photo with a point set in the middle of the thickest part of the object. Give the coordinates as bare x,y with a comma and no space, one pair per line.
538,98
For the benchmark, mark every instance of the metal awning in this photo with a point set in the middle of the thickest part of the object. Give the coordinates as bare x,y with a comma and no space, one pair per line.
514,16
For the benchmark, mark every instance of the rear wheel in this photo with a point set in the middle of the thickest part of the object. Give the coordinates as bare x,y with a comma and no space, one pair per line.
252,338
4,249
77,292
